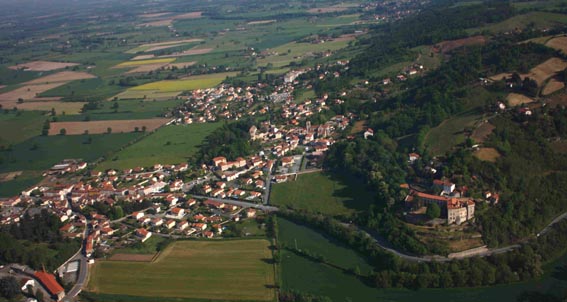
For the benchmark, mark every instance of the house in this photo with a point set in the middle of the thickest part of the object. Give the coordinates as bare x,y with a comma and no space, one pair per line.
157,222
107,231
50,284
280,178
413,157
255,194
213,204
368,132
200,226
178,212
137,215
143,234
217,161
144,220
260,184
190,202
287,161
208,234
170,224
183,225
250,213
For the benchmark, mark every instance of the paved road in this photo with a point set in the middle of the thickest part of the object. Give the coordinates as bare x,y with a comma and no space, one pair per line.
556,220
304,172
268,182
243,204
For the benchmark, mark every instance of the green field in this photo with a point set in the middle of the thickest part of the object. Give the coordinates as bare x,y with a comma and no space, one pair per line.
84,90
145,62
42,152
307,239
449,133
168,145
232,270
293,51
28,123
127,109
22,182
538,19
302,274
150,95
318,192
190,83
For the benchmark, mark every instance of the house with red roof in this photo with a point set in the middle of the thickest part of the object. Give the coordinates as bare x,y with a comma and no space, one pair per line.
51,285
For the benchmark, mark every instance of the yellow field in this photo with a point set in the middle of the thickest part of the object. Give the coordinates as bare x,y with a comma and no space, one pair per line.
559,43
552,86
144,62
515,99
487,154
208,270
190,83
149,95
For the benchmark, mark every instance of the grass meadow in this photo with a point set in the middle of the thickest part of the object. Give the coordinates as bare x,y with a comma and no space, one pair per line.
127,109
28,123
190,83
322,193
168,145
235,270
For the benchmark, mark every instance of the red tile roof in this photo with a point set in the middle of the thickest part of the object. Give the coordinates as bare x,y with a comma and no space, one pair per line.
48,280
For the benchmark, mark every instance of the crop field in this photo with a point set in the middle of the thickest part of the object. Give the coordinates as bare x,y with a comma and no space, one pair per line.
209,270
84,90
547,69
42,152
29,124
447,46
42,66
481,133
322,193
166,21
29,92
99,127
189,52
552,86
149,95
161,45
146,68
559,43
127,109
515,99
63,76
487,154
59,106
168,145
144,62
190,83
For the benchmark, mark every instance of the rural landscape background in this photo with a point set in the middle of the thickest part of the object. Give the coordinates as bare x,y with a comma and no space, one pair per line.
283,150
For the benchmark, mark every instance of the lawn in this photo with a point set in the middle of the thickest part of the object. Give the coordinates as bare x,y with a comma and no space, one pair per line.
216,270
42,152
304,275
190,83
168,145
28,123
323,193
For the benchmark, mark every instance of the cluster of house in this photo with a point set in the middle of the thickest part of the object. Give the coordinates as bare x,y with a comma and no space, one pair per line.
67,166
409,71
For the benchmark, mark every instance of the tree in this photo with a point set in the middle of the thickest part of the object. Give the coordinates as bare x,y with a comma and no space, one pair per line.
144,128
20,100
108,130
62,131
9,287
433,211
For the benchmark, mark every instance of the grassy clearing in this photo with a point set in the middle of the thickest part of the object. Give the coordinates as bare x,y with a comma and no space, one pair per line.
149,95
319,192
449,133
487,154
28,123
168,145
148,247
40,153
190,83
310,240
218,270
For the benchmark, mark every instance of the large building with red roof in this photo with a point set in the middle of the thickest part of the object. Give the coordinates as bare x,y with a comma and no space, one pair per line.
51,285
